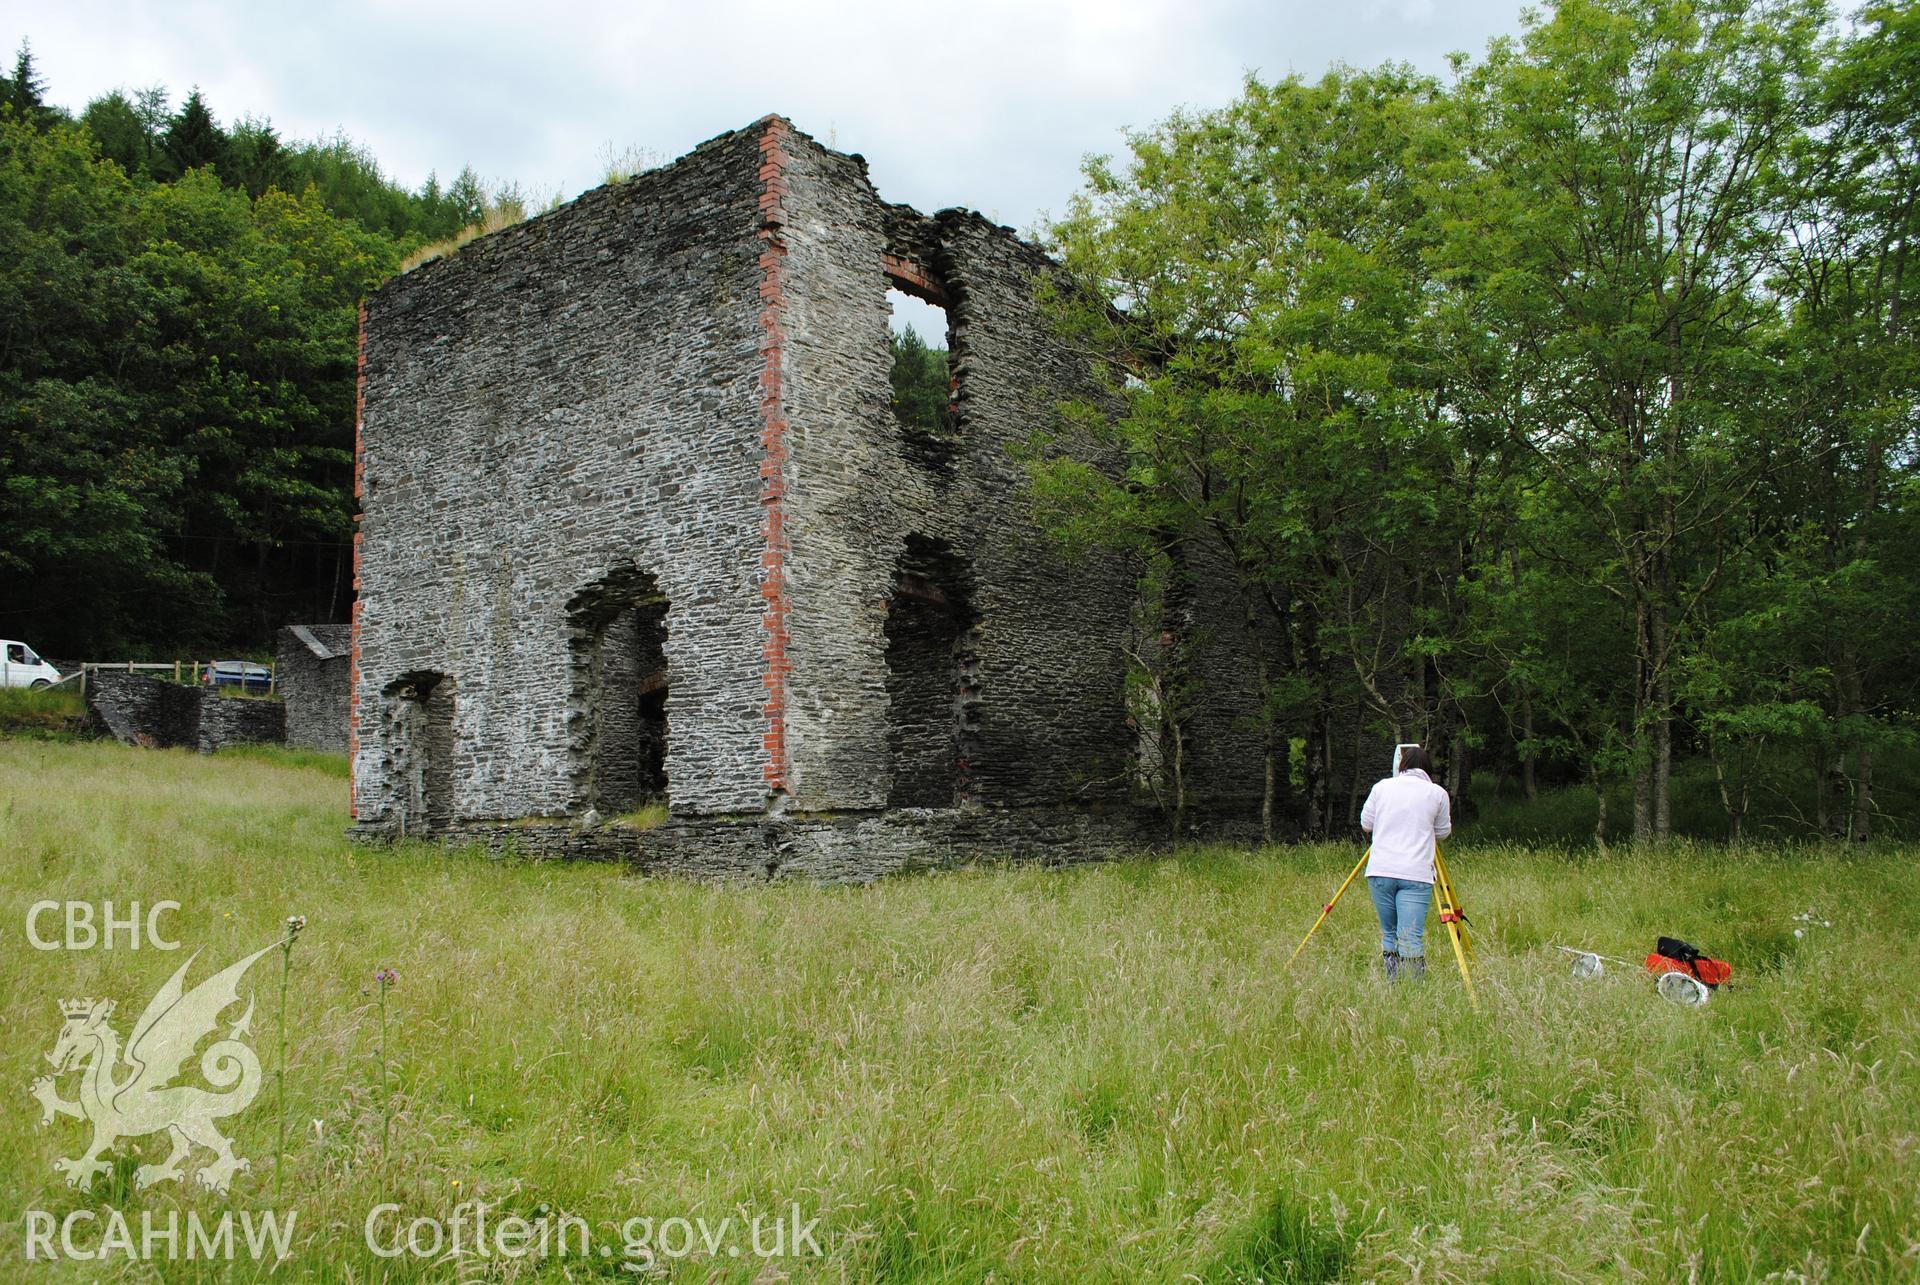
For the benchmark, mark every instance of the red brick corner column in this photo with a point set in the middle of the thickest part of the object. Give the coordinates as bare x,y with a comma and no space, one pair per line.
773,446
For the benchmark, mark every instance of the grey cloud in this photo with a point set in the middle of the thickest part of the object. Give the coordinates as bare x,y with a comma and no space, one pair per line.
990,105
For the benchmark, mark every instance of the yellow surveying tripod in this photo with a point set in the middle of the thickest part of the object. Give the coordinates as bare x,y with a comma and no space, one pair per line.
1450,914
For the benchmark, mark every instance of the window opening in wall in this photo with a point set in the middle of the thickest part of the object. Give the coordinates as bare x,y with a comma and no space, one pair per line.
617,709
933,685
922,375
420,706
1160,687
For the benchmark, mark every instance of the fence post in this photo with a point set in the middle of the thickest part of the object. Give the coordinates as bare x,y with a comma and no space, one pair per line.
176,669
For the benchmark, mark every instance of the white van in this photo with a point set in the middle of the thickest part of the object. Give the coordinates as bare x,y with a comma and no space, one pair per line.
20,667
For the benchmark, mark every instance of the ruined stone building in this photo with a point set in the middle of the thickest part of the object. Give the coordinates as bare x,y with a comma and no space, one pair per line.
313,672
639,526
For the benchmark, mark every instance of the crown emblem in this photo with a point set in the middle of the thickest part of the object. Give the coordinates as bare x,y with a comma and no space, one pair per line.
76,1007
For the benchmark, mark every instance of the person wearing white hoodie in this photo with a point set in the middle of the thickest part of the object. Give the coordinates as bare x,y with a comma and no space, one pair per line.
1407,814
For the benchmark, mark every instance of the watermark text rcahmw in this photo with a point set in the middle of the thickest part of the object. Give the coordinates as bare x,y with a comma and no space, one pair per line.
161,1235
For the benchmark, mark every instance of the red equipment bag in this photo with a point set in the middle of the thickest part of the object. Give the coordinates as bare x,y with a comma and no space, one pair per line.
1671,955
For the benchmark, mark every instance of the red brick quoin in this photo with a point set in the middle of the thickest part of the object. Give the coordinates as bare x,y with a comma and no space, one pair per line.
773,445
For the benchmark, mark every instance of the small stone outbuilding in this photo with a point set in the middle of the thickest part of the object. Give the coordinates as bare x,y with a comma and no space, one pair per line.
313,672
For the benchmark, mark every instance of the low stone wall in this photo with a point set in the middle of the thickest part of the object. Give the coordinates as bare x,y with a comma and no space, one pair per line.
227,721
137,710
850,847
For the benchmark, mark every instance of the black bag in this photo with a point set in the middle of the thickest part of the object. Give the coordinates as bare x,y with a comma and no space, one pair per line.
1674,948
1671,954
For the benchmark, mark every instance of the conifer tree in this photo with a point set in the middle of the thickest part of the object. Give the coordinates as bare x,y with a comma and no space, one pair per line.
194,139
26,93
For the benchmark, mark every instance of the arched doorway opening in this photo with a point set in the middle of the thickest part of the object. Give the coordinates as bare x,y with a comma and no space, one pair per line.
617,708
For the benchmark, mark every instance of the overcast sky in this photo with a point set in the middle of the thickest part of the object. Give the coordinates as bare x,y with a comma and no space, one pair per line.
983,103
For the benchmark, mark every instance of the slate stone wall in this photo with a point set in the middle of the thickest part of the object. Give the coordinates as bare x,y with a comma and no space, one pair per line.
835,848
227,721
137,710
1226,753
1047,720
1044,710
677,387
315,689
554,407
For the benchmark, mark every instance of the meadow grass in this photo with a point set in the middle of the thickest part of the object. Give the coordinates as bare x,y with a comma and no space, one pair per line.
1099,1073
648,816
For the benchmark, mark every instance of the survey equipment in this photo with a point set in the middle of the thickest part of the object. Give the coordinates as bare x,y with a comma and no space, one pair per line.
1444,896
1590,963
1672,984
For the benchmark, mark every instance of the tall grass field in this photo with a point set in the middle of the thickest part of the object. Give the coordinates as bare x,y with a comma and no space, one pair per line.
1102,1073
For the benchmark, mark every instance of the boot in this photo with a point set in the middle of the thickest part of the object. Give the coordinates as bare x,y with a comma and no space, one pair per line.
1414,966
1391,961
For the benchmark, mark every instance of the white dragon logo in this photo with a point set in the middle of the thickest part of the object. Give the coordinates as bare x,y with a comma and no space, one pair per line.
141,1098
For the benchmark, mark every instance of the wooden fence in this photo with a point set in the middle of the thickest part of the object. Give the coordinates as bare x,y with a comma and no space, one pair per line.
181,671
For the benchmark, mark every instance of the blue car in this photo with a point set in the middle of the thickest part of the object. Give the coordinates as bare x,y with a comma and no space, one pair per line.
245,675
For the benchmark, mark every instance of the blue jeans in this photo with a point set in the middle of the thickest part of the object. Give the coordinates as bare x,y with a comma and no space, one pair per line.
1402,907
